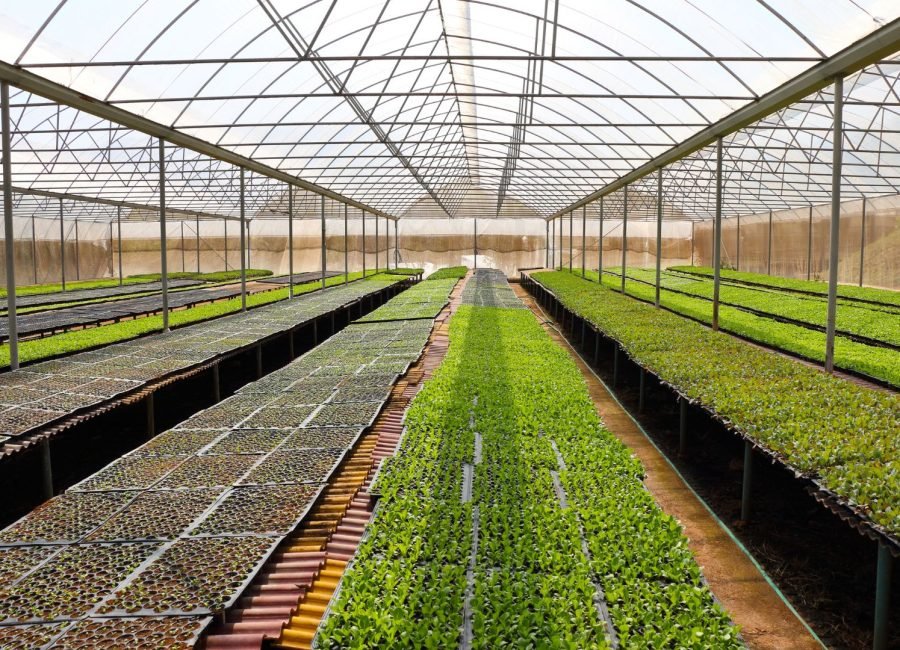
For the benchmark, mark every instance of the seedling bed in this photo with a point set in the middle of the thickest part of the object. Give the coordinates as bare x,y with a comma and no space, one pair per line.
16,561
138,633
249,441
71,583
179,442
279,417
66,518
157,515
216,417
350,414
296,466
259,510
129,473
322,438
197,576
209,471
29,637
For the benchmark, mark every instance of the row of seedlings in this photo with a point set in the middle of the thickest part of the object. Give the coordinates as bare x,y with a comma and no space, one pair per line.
42,393
868,335
99,293
510,517
838,434
157,543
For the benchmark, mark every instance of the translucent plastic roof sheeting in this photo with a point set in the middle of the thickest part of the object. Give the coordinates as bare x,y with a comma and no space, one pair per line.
443,106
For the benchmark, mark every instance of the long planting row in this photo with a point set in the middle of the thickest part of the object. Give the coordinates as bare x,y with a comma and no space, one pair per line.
864,294
842,435
158,542
510,517
42,393
873,361
878,324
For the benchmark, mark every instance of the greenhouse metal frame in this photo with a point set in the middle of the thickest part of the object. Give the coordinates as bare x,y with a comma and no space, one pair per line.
415,112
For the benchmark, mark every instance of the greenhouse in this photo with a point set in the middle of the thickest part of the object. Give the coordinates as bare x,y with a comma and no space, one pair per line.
467,324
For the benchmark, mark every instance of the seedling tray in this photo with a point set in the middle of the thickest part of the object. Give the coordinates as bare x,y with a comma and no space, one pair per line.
66,518
297,466
258,510
157,515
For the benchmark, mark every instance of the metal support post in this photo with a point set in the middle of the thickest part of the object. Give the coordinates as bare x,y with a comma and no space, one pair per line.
62,246
836,164
642,387
259,361
737,265
659,216
346,263
216,383
396,243
682,425
769,244
624,236
475,242
862,242
583,239
747,482
150,404
183,269
243,244
77,254
600,247
225,243
364,241
322,219
164,273
692,243
290,243
560,243
249,246
119,240
615,365
570,240
46,470
883,598
197,232
717,238
376,245
34,249
547,244
809,245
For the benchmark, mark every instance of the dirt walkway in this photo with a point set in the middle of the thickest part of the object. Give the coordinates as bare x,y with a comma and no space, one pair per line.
765,619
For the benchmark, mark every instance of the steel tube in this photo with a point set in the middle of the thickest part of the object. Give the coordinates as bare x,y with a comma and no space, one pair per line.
119,240
570,242
837,160
364,241
8,234
717,238
600,247
475,241
624,236
659,216
346,263
243,243
324,260
164,273
862,242
547,244
34,249
62,246
809,245
583,239
290,242
197,229
769,244
77,254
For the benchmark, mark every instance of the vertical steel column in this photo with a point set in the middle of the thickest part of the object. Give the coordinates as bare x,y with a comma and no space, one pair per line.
570,240
346,263
883,598
836,164
560,242
77,255
249,246
8,234
547,244
717,238
377,257
364,241
46,470
747,483
243,244
324,260
290,242
197,232
682,425
738,263
769,244
119,240
62,245
183,269
225,242
624,236
692,243
396,243
862,242
583,239
600,247
162,238
475,241
809,245
553,244
659,215
34,249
